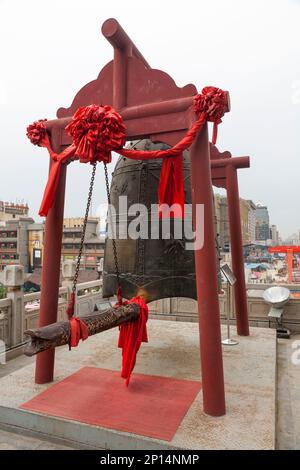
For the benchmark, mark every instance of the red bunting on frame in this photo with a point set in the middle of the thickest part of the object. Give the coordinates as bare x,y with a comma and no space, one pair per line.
96,131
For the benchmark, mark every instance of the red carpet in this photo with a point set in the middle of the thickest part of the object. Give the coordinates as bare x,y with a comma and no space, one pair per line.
151,406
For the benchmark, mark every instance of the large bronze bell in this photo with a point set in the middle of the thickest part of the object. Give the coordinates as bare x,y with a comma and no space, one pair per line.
154,268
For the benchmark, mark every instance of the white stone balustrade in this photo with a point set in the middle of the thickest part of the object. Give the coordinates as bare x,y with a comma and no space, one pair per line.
19,311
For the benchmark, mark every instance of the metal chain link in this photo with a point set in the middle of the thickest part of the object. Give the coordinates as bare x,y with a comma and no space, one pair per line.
113,235
87,210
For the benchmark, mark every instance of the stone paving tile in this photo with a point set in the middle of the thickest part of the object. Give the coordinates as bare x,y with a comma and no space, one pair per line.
13,441
15,364
288,404
288,397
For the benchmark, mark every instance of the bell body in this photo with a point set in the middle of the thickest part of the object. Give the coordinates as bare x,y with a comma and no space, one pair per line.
157,264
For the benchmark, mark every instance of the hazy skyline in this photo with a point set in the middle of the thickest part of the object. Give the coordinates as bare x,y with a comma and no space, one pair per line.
249,48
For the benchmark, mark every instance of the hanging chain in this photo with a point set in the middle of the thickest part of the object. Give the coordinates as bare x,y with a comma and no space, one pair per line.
87,210
111,222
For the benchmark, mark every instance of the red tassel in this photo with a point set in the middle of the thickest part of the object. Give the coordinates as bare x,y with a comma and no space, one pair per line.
119,298
71,305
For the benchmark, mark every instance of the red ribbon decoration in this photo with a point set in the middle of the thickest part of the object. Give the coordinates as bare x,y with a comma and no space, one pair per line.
53,178
78,331
71,305
96,131
37,134
171,189
131,336
214,103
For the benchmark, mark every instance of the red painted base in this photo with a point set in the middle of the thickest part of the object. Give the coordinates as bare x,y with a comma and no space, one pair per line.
151,406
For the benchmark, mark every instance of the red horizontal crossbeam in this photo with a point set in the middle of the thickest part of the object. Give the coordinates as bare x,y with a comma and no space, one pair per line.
236,162
137,112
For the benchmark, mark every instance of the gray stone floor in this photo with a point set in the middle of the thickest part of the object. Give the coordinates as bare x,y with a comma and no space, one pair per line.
288,396
173,351
15,364
288,403
13,441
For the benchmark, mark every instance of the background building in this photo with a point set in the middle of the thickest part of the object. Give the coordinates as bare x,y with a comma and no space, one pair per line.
252,221
14,242
262,224
9,210
247,210
35,245
75,222
274,235
93,249
221,214
22,242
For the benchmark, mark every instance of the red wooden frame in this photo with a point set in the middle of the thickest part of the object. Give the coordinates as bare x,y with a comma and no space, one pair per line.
152,106
224,175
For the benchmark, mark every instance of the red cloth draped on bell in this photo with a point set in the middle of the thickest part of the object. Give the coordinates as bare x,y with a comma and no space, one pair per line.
96,131
131,336
171,185
171,188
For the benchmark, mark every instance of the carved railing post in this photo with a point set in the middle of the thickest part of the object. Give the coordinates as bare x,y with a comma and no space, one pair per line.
13,281
68,272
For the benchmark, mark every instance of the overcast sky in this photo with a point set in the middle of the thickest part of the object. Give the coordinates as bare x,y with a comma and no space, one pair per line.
49,50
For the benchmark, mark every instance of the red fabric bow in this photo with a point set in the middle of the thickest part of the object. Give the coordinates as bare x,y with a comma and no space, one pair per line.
214,103
37,133
78,331
131,336
96,131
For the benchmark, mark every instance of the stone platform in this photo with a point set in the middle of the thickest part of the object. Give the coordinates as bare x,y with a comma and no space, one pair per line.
172,351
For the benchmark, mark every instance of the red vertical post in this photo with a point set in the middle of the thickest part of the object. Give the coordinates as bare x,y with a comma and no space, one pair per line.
236,244
289,255
51,269
206,280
